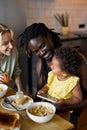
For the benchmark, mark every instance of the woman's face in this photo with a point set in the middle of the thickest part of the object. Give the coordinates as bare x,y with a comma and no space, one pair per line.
6,44
42,46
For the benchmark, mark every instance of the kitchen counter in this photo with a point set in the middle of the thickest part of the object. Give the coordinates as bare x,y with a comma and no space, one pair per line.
77,40
78,35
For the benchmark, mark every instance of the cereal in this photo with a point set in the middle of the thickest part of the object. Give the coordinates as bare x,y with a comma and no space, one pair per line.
41,110
1,89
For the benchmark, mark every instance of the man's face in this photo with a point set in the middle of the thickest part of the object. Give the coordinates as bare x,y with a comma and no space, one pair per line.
6,46
42,46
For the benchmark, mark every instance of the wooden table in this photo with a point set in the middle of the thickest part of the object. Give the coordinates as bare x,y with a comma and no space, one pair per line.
57,123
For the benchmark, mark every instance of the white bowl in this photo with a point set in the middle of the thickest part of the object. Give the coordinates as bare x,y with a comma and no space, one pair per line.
41,119
4,90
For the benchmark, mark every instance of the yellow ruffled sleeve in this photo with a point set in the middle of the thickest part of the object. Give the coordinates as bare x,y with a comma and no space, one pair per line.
50,78
72,82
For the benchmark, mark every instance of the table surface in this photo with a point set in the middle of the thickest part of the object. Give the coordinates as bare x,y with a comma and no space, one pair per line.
57,123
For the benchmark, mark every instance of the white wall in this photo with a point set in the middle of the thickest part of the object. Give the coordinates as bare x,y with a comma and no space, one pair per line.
13,14
44,10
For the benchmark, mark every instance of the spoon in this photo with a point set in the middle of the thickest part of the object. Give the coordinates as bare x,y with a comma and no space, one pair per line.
23,115
9,102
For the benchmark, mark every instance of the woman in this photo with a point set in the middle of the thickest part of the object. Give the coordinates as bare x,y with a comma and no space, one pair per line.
43,41
9,67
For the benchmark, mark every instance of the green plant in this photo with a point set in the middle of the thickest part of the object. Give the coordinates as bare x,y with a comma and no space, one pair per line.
63,19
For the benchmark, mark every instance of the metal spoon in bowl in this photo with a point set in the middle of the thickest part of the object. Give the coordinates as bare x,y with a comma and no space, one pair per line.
6,100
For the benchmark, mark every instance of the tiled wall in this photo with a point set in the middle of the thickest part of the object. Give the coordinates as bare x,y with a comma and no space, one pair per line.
44,10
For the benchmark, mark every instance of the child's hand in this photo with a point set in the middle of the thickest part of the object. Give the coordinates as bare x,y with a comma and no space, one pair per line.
43,90
60,102
40,92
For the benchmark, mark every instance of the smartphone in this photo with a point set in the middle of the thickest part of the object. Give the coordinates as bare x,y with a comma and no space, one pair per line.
47,97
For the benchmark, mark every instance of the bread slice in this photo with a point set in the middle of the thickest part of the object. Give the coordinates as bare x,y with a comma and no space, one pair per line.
8,121
6,77
21,101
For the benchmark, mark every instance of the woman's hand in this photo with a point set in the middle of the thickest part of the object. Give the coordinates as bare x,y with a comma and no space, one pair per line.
4,78
1,79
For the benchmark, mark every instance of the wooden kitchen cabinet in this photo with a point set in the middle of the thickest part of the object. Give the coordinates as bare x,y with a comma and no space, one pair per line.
84,47
78,42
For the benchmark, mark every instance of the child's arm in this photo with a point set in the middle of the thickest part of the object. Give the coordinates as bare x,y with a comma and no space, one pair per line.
43,90
77,97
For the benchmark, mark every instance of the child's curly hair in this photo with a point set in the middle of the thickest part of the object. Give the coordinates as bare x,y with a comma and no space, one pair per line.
70,59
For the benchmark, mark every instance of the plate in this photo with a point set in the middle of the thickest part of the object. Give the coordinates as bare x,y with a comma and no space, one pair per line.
19,107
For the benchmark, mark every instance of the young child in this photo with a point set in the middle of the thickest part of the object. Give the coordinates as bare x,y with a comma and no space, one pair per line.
62,82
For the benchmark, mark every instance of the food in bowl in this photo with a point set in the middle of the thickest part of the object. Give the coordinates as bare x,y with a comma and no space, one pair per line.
3,90
41,112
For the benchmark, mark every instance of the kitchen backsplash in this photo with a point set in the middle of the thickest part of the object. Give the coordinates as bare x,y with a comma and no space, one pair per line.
44,11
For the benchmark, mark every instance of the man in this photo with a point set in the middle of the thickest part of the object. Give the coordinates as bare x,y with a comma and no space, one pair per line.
43,41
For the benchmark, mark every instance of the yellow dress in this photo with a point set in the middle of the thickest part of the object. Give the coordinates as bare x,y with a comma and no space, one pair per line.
61,89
